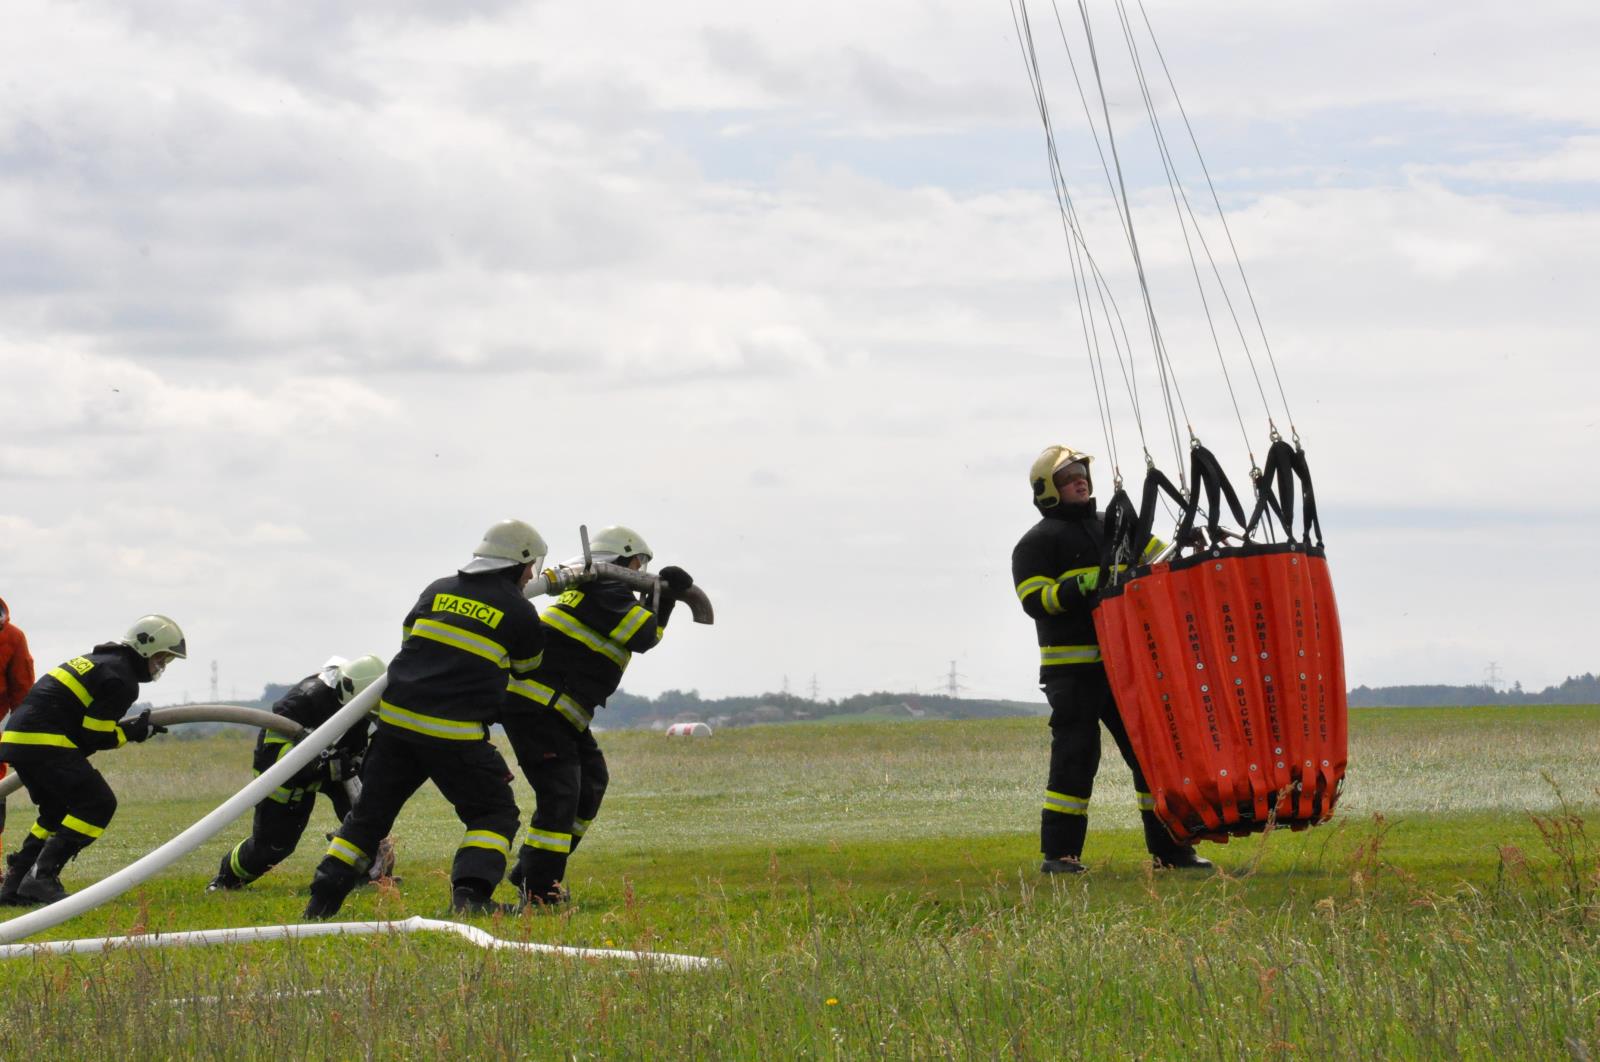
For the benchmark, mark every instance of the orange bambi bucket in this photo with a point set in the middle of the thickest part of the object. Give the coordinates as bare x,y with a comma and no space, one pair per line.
1228,671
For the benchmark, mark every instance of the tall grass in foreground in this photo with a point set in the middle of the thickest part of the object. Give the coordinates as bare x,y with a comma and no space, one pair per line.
872,890
1381,967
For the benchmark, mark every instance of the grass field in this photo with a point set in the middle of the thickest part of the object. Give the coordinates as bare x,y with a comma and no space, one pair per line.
872,891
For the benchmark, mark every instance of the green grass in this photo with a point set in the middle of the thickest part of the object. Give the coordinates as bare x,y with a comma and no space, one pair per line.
872,891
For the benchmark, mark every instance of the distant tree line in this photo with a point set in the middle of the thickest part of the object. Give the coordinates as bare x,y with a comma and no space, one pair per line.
1579,689
625,709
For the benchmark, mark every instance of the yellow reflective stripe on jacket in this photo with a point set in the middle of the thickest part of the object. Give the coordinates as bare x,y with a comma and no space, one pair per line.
1064,804
530,664
272,737
77,825
487,839
536,692
1051,655
457,638
576,713
548,840
70,681
630,625
1033,585
431,725
539,693
22,737
567,624
1051,599
105,726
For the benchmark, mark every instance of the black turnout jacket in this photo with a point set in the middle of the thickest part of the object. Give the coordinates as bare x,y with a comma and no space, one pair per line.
76,705
1045,565
466,636
593,632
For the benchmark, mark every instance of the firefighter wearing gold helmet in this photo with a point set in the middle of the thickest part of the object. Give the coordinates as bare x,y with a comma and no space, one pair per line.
1055,467
1056,571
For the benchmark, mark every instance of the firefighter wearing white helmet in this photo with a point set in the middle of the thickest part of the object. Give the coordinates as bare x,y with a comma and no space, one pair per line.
466,636
281,819
619,545
72,712
1056,570
592,634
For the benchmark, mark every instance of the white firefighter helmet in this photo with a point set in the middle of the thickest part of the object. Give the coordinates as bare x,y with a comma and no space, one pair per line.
1042,475
154,634
509,543
619,544
356,675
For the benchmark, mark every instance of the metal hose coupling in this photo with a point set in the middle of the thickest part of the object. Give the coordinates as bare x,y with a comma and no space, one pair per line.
563,577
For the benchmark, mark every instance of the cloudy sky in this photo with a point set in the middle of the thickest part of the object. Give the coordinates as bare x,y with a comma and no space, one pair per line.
295,299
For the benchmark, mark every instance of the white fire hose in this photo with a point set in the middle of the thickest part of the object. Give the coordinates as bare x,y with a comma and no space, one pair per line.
309,748
416,924
208,827
202,713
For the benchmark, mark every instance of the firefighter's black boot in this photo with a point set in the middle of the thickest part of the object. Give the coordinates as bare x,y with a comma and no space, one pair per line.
474,897
1184,858
537,877
226,880
18,864
43,883
1062,865
1167,854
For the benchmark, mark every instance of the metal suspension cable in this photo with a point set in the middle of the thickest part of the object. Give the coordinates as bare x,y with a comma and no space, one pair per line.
1130,378
1081,259
1165,374
1180,204
1232,247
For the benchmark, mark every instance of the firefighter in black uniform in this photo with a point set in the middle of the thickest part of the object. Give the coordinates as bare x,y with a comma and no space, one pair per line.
593,632
1056,568
446,687
282,817
72,712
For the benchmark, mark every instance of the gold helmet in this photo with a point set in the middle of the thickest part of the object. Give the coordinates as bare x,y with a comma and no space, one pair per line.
1042,475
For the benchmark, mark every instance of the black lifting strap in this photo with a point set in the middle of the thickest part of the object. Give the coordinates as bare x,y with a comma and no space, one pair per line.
1275,492
1128,529
1206,472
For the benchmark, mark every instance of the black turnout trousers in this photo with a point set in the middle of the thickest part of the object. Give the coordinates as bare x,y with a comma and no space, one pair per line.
1080,701
471,775
568,774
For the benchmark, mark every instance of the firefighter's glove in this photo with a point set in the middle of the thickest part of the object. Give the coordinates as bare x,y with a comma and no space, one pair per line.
140,728
1089,582
678,580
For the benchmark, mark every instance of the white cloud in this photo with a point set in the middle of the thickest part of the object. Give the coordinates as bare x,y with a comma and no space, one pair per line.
293,306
